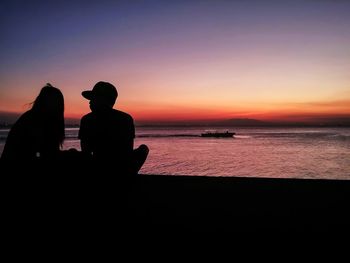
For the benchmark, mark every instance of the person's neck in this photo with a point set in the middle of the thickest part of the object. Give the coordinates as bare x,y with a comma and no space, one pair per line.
103,110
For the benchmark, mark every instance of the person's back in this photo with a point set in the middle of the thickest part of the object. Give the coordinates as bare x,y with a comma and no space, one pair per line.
108,134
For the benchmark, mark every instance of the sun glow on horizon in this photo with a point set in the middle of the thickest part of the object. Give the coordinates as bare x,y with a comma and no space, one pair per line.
183,61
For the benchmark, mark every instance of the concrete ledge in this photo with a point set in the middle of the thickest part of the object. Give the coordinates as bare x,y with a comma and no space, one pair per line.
231,204
70,204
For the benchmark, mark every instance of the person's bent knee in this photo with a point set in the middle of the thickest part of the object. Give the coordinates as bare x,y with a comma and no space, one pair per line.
144,148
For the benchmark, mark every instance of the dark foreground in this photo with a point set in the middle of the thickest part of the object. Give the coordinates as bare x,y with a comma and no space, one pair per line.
221,205
80,206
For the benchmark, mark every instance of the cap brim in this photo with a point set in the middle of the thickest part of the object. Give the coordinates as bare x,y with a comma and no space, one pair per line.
87,94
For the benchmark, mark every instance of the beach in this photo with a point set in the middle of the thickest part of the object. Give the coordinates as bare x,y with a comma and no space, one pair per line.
87,205
225,205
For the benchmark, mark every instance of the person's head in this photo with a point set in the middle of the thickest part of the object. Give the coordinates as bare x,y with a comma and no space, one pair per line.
102,96
49,106
49,102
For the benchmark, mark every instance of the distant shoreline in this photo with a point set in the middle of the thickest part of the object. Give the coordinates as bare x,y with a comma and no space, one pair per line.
8,126
232,123
244,126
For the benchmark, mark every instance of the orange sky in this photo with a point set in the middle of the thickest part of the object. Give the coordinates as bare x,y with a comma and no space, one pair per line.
184,61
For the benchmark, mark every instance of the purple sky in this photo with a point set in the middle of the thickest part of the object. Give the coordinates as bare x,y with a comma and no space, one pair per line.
181,59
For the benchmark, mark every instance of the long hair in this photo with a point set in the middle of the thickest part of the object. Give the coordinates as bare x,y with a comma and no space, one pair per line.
49,108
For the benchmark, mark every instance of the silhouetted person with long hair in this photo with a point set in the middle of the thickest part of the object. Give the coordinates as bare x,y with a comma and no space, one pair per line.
39,133
108,134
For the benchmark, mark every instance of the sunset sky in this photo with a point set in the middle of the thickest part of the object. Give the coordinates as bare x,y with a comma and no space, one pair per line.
182,60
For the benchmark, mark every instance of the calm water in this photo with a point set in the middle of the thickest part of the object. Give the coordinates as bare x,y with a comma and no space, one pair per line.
258,152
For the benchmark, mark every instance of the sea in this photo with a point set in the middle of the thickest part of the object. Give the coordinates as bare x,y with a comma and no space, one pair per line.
312,153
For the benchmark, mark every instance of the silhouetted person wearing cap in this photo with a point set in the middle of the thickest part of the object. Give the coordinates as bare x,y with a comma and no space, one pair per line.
108,134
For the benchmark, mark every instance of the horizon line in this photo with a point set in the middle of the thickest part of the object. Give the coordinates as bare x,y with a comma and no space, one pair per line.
9,118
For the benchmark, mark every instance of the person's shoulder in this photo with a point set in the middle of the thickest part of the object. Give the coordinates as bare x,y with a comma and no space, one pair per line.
24,122
25,117
122,115
87,116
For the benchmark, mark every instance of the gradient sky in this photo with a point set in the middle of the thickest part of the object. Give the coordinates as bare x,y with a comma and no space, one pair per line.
182,60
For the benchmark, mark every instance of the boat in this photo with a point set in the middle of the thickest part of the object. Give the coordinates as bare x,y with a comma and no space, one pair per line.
218,134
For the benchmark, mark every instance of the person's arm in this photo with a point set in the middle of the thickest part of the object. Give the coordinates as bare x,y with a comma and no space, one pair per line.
84,144
15,142
127,142
132,135
12,145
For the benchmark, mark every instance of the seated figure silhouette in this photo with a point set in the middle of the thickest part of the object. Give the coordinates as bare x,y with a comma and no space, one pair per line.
108,134
39,133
